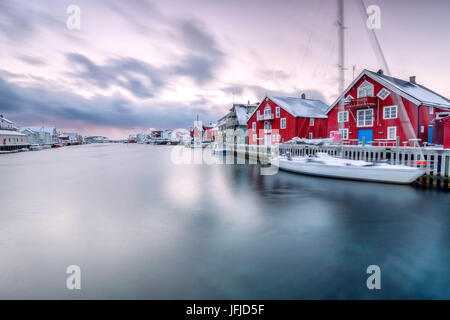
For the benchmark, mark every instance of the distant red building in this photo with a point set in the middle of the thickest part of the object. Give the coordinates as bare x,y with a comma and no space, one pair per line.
279,119
208,133
378,109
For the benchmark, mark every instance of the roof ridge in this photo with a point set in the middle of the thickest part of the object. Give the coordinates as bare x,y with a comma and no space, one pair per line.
289,97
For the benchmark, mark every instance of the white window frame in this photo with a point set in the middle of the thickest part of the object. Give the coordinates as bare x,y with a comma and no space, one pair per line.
311,122
365,118
267,108
254,125
442,115
283,121
277,112
383,93
345,113
431,110
269,124
365,86
310,135
344,133
390,112
388,137
255,137
278,138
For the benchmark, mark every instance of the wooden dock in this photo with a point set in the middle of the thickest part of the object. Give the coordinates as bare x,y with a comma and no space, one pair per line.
436,162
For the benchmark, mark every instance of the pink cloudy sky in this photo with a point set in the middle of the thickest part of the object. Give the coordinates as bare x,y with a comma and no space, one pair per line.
136,65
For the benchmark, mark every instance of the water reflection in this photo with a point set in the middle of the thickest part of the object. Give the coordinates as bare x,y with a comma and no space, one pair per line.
142,227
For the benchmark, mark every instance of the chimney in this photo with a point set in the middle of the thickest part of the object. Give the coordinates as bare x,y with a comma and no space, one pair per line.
380,72
412,79
303,96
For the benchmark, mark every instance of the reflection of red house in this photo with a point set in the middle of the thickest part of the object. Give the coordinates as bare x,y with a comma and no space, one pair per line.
279,119
378,109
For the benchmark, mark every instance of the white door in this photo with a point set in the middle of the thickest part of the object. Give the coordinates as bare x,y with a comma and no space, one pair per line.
268,140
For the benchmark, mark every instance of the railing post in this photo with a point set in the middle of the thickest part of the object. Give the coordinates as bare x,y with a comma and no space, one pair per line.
397,144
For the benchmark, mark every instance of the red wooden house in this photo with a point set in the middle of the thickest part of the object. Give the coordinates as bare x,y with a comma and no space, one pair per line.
279,119
377,109
208,133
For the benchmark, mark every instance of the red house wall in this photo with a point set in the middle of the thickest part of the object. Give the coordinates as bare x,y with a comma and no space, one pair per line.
380,125
447,134
295,127
319,129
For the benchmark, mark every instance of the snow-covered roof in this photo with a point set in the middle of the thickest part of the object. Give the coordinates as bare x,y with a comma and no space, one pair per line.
11,133
50,130
299,107
421,93
241,113
6,120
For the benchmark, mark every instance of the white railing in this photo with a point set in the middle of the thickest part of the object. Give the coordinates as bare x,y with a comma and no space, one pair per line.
260,117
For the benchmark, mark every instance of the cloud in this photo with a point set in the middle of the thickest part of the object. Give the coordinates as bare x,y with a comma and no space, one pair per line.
203,56
35,61
199,62
260,92
271,74
22,22
140,14
32,105
138,77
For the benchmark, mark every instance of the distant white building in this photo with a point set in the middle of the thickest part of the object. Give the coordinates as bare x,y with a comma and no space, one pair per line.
10,138
166,134
96,139
6,124
48,135
33,137
142,138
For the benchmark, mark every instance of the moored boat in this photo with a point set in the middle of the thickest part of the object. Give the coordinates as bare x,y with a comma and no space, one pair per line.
35,147
324,165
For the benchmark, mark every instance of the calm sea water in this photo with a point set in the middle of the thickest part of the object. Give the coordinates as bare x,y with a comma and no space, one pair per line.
140,226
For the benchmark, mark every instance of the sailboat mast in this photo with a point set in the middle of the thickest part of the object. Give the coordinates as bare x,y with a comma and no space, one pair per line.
341,27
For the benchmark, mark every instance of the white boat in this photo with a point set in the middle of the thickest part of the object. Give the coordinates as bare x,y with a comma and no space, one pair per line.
35,147
324,165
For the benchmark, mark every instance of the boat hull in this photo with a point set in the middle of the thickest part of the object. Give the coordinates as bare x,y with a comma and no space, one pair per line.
383,174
